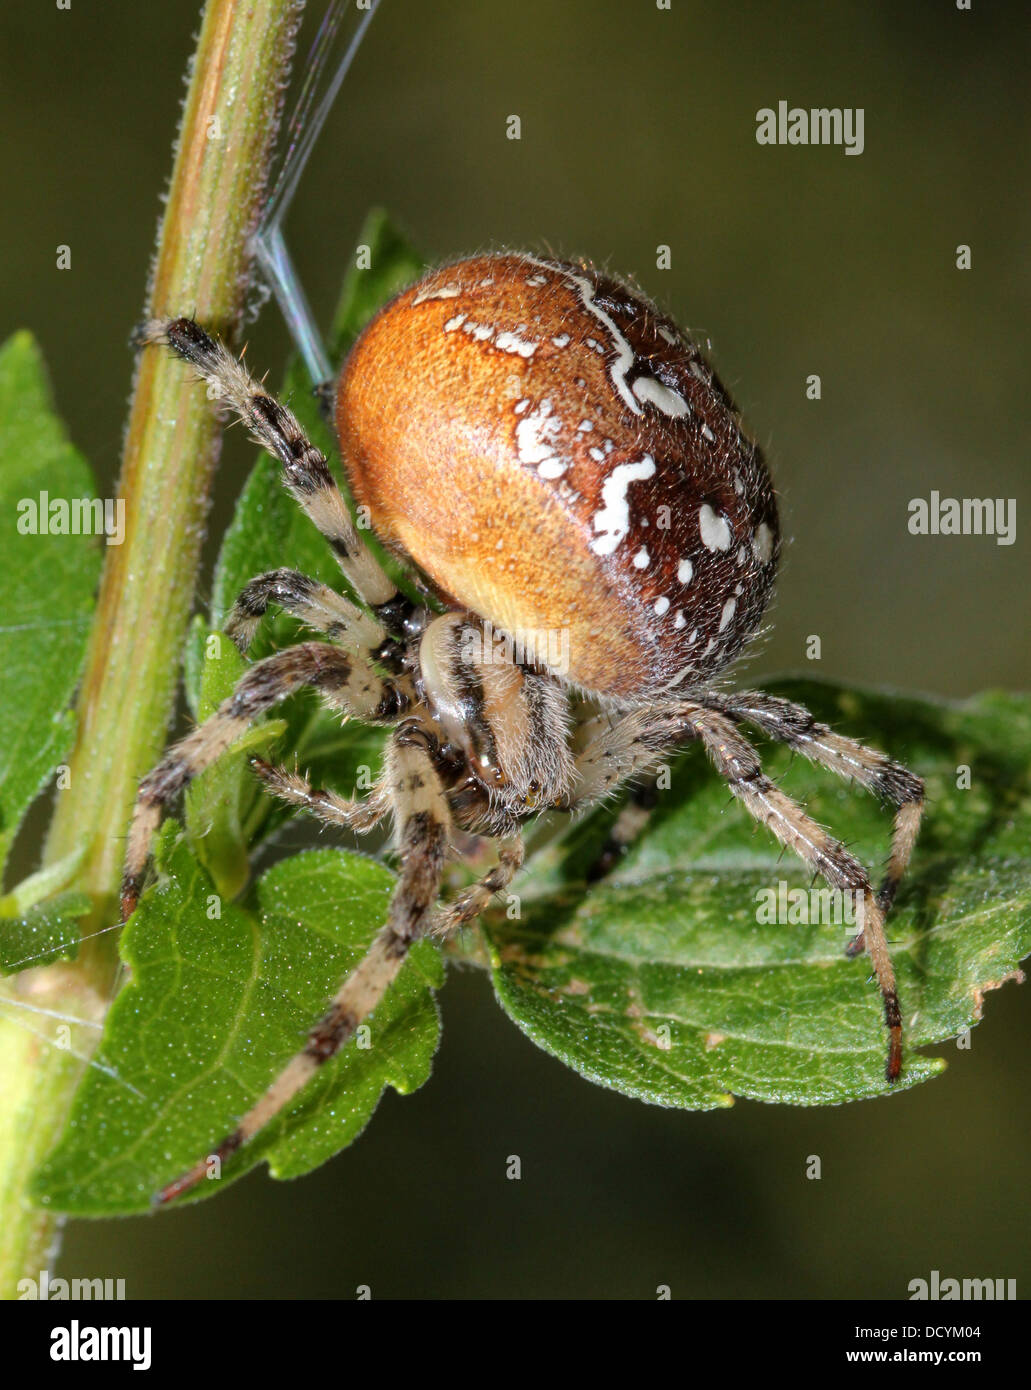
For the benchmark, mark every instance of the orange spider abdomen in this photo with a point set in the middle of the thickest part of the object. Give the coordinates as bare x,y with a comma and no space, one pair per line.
556,456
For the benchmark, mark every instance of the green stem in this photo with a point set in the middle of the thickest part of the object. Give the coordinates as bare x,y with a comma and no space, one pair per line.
202,266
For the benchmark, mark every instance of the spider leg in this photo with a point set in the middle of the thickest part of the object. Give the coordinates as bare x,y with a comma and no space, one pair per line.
737,761
324,805
616,748
347,684
610,748
471,901
305,470
794,725
317,605
423,828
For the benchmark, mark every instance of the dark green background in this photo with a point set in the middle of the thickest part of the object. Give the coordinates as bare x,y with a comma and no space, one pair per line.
638,129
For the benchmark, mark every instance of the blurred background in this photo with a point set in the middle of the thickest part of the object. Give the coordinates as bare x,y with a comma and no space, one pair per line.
638,130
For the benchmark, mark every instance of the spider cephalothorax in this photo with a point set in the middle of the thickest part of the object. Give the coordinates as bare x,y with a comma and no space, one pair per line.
571,479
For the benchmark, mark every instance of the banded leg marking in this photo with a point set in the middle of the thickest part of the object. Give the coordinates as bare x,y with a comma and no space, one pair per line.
471,901
794,725
325,805
738,763
315,604
424,827
305,470
347,685
620,747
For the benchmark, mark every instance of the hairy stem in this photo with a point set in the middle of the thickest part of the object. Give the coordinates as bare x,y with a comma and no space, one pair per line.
201,267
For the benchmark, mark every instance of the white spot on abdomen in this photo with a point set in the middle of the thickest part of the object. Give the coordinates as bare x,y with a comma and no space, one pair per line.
762,543
715,529
685,571
534,441
511,342
670,402
624,352
432,292
613,520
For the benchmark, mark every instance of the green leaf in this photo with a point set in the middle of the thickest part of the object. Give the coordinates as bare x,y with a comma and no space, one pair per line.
212,1011
661,983
46,584
43,934
43,884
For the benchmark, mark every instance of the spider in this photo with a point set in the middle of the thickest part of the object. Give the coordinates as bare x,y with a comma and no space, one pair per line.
552,456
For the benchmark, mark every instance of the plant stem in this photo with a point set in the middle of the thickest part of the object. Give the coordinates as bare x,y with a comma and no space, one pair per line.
201,267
